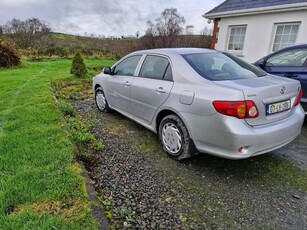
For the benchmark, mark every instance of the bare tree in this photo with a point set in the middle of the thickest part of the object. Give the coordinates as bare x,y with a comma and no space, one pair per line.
166,30
206,31
26,33
189,29
205,37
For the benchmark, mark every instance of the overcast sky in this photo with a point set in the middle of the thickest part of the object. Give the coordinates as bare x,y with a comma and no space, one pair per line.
104,17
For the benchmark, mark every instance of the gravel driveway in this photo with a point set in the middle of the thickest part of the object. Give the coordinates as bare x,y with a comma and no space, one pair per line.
141,188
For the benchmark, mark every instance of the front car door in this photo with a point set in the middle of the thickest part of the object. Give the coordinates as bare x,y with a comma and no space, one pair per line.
151,88
289,63
303,80
118,85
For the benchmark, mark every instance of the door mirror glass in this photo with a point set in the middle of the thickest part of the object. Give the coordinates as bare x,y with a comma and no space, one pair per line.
106,70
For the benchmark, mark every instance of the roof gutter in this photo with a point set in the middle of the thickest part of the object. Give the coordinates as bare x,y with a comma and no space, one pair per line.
260,10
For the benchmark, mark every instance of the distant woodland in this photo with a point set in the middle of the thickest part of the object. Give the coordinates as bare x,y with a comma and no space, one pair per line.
35,39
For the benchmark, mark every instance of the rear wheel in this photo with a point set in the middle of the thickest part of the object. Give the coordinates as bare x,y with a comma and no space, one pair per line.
101,101
174,137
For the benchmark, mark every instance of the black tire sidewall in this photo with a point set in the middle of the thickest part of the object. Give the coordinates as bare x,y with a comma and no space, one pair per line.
106,108
184,151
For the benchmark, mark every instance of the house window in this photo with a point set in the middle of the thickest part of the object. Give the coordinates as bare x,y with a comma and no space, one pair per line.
285,35
236,37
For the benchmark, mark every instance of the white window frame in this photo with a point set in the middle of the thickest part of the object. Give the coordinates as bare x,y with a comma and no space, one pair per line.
230,28
288,43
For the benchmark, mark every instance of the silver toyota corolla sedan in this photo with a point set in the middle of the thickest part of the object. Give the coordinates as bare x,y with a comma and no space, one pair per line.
200,100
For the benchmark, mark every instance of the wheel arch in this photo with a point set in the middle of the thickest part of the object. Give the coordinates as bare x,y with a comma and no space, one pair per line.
163,113
96,87
192,150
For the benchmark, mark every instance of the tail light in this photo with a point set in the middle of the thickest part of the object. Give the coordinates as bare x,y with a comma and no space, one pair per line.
299,97
239,109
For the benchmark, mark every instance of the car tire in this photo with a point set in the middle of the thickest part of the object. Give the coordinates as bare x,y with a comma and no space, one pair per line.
101,101
174,137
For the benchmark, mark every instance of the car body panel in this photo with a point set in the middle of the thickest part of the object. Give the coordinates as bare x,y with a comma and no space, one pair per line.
117,91
263,91
285,71
190,96
146,96
223,135
303,80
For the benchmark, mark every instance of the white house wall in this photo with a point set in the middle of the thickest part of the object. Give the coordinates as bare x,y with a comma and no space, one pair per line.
260,32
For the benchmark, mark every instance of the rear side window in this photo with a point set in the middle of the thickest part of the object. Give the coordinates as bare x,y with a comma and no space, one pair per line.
220,66
127,67
156,67
168,76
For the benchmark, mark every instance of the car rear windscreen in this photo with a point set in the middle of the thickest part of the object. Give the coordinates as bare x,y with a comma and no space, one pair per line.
217,66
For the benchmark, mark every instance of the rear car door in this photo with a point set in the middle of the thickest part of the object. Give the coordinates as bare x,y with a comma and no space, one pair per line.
118,85
151,88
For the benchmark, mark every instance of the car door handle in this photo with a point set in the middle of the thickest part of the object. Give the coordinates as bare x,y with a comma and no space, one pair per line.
160,90
127,83
291,75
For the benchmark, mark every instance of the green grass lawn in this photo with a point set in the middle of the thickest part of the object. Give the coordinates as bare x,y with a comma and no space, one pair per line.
40,183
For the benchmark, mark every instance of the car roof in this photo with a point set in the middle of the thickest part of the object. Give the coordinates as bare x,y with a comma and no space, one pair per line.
174,51
289,48
292,47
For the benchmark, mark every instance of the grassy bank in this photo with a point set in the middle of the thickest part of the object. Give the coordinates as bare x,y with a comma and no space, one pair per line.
40,184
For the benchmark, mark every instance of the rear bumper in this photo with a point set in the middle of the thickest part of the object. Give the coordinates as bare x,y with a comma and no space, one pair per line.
223,135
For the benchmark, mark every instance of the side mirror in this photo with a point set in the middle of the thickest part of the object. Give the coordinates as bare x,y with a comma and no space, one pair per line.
107,70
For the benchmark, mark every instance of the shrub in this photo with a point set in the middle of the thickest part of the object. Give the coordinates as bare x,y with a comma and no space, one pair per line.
78,68
33,54
9,56
55,50
116,56
66,108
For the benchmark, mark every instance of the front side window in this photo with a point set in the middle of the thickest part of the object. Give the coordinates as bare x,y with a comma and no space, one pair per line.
289,58
236,37
127,67
285,35
155,67
220,66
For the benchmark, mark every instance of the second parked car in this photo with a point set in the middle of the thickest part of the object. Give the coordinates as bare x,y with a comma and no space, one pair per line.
290,62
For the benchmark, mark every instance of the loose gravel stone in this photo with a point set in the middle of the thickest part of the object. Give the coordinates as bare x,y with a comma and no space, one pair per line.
147,193
126,179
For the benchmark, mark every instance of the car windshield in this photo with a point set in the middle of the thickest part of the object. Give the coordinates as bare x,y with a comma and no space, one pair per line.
222,66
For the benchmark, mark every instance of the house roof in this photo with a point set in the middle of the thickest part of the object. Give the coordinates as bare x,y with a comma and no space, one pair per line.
233,6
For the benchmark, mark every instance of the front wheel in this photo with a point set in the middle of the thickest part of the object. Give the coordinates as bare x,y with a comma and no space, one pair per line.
174,137
101,101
